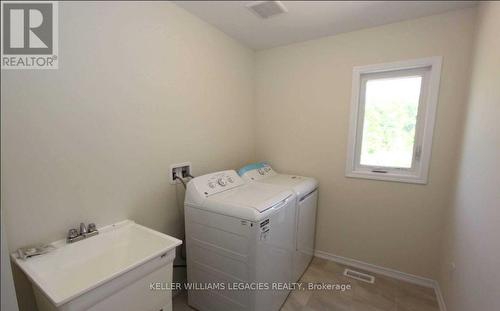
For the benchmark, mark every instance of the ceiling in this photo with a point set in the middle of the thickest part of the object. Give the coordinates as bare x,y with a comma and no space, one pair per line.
306,20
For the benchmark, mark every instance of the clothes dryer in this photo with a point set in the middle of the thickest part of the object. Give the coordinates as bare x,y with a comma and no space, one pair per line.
306,191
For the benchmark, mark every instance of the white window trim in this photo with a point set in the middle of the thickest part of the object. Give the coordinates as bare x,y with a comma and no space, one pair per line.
430,99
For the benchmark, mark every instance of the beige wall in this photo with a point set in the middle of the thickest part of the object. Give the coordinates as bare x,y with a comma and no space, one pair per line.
93,141
473,221
141,86
303,94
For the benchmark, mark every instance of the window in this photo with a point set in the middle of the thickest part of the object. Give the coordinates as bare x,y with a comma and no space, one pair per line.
392,120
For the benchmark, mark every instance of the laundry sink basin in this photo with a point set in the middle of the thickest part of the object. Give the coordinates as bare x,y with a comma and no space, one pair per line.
110,271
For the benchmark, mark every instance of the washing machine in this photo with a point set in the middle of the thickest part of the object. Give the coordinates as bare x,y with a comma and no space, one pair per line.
239,243
306,191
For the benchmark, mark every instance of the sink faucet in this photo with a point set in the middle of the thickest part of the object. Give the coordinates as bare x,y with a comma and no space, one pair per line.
83,229
85,232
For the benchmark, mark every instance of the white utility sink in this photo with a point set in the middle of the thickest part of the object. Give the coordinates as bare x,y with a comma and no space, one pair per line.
110,271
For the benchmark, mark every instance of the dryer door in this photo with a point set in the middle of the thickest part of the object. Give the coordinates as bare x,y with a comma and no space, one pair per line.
274,255
306,225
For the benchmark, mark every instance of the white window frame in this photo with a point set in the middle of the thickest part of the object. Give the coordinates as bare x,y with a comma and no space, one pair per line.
419,171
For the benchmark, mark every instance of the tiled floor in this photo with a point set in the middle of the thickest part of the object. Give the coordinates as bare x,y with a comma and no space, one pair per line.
386,294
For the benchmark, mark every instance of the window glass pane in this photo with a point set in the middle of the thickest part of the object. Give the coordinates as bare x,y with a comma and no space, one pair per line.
391,107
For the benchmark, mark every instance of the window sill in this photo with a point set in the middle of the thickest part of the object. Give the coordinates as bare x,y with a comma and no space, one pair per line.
413,179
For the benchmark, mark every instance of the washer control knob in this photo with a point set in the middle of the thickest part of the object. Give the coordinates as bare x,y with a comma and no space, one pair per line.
221,182
211,184
261,171
267,169
230,179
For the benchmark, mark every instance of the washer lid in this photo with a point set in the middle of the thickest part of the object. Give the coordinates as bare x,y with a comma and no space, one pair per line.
262,172
226,193
259,197
251,202
301,185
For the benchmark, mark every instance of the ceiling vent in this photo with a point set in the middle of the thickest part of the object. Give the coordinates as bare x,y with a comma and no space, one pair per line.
266,9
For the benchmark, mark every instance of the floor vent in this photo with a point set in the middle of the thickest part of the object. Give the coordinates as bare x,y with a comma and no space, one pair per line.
359,276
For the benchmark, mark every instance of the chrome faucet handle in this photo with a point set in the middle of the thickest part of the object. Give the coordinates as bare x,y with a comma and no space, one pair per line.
83,229
91,227
72,233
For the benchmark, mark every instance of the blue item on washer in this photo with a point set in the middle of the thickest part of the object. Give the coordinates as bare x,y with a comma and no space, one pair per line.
251,167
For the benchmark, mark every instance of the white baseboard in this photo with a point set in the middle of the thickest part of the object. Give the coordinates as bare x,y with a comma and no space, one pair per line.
403,276
377,269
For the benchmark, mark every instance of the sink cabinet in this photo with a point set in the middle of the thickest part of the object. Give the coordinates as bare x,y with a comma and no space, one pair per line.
114,270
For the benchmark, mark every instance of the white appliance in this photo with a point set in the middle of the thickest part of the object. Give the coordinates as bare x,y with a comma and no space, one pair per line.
306,191
239,240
